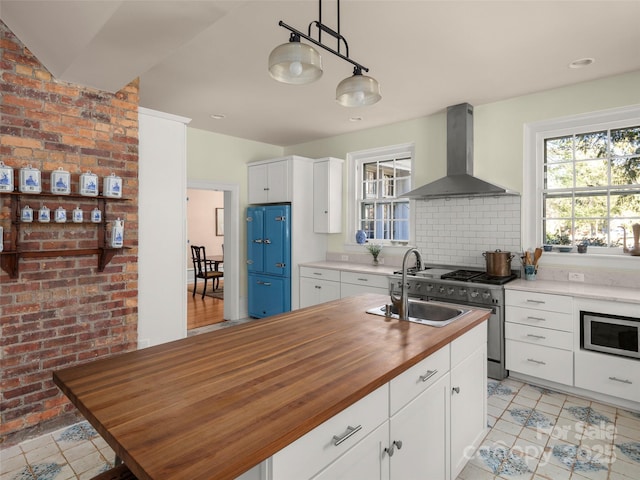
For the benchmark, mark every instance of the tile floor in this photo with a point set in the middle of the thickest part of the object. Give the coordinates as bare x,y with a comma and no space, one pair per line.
535,434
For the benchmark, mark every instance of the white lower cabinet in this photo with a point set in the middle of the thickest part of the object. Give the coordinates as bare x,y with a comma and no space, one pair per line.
353,283
314,451
608,374
468,396
365,461
318,285
419,434
424,424
539,335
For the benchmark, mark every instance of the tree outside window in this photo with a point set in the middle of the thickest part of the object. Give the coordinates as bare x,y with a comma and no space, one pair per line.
591,189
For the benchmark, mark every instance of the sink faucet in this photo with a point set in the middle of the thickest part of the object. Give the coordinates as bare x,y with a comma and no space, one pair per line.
401,303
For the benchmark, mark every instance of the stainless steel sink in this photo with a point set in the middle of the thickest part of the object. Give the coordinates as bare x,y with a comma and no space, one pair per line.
424,312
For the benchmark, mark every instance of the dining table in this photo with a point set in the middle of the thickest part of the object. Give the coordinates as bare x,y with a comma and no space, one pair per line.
214,405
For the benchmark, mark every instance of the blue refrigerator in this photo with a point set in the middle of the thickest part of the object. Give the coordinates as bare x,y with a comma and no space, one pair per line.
269,259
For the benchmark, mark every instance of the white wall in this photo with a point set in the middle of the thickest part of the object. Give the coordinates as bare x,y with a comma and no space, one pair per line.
162,307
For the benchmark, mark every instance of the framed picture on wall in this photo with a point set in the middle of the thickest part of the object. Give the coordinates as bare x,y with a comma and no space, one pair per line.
220,222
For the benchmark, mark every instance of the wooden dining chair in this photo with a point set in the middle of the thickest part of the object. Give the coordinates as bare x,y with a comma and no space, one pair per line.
203,268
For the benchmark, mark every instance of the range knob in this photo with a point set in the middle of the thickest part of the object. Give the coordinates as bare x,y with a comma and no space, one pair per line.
462,292
441,290
474,293
429,287
450,290
486,295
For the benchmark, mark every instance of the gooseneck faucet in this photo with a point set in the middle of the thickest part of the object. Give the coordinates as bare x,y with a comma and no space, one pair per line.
401,303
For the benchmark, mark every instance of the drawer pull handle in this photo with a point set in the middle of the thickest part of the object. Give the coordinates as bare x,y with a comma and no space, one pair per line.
536,301
542,337
318,287
317,273
363,279
539,362
620,380
392,448
428,375
537,318
350,431
266,284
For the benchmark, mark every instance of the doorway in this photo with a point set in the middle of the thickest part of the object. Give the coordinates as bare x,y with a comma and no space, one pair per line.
231,237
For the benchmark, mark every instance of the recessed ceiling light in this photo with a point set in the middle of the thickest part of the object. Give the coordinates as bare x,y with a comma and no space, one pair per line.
355,119
581,62
218,116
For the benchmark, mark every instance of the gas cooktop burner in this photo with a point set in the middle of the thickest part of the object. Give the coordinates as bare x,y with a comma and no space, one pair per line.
492,279
474,276
461,275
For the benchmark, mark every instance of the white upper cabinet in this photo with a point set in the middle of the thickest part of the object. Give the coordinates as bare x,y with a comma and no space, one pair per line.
270,182
327,195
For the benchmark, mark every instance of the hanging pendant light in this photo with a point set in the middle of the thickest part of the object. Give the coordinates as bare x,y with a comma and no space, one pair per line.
298,63
295,63
358,90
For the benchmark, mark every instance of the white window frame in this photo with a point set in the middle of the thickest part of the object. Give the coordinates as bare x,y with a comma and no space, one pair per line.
354,161
533,181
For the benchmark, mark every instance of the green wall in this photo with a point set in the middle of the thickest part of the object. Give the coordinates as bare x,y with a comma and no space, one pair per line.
498,133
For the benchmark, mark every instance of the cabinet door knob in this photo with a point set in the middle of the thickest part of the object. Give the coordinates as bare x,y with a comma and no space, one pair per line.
455,390
391,450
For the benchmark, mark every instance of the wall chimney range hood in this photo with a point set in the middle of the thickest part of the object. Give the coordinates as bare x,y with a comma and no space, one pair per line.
459,181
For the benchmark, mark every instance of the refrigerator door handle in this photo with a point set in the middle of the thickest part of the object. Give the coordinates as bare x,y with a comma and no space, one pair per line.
266,241
257,240
281,265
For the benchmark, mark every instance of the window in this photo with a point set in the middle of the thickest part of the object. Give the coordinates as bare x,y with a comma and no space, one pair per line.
585,180
381,176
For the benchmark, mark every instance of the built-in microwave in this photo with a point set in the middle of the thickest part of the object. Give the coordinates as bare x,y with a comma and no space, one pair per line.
613,334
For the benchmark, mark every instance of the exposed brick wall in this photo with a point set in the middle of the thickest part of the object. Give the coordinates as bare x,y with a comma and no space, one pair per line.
62,311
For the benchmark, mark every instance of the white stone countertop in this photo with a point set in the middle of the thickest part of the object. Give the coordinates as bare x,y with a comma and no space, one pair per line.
577,289
353,267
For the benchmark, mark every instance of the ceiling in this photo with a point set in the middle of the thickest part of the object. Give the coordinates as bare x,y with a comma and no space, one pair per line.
205,57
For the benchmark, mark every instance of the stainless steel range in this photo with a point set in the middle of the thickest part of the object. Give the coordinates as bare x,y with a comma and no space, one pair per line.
473,288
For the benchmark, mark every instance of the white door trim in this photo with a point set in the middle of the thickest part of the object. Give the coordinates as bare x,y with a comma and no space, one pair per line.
231,243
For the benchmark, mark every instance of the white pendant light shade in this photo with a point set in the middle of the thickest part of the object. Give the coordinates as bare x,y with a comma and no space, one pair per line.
358,91
295,63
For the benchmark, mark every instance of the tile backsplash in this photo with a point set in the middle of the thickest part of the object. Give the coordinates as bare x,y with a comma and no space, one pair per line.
456,231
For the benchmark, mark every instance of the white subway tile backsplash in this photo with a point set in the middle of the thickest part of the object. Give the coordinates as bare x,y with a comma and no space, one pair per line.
457,231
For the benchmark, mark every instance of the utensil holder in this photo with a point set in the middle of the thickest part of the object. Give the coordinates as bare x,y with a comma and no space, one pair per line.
529,272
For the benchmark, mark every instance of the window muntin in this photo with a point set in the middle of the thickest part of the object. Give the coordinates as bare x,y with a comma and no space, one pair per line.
381,213
591,186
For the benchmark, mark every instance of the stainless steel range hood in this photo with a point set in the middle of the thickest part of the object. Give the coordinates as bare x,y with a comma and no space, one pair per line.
459,181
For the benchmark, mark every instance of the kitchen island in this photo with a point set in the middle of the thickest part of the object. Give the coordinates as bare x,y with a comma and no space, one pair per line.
215,405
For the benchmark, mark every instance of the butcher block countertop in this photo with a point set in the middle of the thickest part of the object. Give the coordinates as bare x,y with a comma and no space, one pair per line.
214,405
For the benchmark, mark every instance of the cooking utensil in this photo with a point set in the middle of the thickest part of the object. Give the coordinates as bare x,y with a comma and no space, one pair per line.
498,263
536,256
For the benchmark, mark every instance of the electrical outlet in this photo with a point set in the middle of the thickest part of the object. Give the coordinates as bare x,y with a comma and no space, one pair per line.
345,258
576,277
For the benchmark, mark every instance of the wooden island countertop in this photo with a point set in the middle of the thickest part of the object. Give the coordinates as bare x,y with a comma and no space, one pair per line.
214,405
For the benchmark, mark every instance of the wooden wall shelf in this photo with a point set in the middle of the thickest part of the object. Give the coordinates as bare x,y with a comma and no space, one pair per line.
10,259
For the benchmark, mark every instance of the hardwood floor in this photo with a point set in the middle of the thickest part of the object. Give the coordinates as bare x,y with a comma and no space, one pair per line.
203,311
